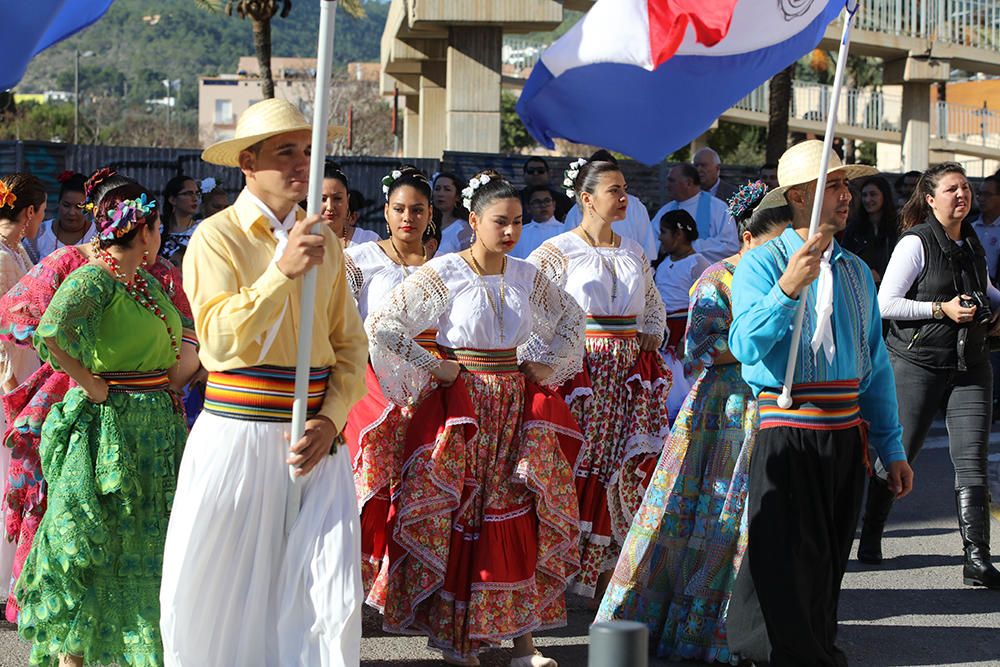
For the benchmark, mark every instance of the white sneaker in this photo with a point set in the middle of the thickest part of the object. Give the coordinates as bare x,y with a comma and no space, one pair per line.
536,660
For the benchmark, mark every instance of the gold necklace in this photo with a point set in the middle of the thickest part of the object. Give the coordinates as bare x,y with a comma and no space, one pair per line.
498,310
399,255
608,264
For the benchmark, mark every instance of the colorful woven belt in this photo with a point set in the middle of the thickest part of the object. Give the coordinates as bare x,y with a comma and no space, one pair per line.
485,361
611,326
261,393
819,406
428,340
135,382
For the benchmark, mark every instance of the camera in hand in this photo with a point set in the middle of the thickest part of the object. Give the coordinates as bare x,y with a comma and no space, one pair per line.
984,313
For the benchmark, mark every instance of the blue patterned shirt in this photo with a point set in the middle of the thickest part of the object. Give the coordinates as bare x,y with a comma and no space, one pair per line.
763,318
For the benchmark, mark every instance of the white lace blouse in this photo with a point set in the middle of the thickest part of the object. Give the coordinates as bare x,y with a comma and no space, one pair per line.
371,275
539,319
583,271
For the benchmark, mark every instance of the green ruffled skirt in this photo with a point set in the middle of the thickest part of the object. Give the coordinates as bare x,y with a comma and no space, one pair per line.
90,586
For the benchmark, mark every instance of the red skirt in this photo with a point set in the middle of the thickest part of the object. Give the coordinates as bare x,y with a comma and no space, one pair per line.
485,524
619,399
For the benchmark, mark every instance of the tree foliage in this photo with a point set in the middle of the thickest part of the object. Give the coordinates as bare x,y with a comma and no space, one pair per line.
514,135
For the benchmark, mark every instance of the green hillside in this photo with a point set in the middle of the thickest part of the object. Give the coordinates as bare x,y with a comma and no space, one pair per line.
131,57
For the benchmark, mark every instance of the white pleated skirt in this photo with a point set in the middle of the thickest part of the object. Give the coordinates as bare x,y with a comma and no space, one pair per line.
235,590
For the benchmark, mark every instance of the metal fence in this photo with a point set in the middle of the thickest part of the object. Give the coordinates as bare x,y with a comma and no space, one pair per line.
974,23
868,108
969,124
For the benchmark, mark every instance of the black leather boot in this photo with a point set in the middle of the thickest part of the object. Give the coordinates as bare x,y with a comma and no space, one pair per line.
974,522
877,506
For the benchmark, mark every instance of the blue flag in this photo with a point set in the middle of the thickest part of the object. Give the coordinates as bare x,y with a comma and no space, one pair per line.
28,27
645,77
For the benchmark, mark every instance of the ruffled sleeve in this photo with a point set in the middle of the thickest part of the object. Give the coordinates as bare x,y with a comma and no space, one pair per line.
558,334
708,324
355,276
169,277
550,262
401,365
74,315
654,315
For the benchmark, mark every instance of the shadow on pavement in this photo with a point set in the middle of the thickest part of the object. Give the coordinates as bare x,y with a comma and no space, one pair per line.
910,562
922,645
875,605
920,532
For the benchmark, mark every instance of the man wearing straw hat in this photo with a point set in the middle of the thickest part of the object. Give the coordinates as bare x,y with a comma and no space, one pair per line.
808,467
239,586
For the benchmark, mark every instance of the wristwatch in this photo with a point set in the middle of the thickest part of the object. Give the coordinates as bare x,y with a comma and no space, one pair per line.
938,311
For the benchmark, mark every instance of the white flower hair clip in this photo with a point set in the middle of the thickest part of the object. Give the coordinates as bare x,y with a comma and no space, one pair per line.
388,180
207,185
569,176
467,192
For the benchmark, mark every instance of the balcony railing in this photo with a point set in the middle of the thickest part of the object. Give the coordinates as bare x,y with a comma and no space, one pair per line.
869,109
974,23
967,124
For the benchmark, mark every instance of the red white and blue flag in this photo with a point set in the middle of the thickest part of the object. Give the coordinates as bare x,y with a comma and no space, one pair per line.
645,77
29,27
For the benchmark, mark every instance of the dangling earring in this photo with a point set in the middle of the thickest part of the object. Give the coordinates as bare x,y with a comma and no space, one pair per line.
388,229
145,258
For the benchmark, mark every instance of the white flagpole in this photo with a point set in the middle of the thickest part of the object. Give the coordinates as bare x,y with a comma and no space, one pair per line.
321,113
785,399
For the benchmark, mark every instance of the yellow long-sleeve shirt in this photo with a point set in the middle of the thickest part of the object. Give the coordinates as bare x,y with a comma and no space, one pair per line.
237,294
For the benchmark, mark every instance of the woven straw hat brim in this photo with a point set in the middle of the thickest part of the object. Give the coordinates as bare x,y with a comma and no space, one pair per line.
227,153
776,197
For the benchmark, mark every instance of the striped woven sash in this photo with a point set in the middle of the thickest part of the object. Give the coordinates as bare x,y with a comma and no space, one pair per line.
611,326
821,406
135,382
262,393
491,362
428,340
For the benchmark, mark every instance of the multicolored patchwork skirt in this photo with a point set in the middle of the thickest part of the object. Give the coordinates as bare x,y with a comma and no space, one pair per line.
620,401
485,524
680,559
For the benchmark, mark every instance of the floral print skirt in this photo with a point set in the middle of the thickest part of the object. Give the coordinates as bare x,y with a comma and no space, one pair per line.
90,586
620,401
485,523
681,556
25,409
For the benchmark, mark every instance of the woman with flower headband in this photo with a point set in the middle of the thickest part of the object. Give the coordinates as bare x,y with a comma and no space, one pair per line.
619,398
484,524
72,224
110,450
214,197
22,207
681,555
376,427
26,407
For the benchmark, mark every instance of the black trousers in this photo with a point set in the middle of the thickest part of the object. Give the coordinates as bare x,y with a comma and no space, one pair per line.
967,397
804,499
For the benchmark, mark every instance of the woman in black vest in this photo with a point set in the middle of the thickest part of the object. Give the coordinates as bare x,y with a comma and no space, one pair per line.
937,293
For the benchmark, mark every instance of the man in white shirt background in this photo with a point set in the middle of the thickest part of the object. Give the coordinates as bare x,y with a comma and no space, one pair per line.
709,167
987,225
717,237
636,224
540,221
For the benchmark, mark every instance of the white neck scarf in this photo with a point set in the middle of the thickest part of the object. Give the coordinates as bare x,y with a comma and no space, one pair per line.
823,335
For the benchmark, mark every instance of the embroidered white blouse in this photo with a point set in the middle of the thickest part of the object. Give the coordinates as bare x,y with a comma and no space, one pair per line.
539,319
371,275
583,271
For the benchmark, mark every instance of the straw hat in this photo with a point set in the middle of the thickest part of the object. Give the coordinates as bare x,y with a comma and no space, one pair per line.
261,121
800,165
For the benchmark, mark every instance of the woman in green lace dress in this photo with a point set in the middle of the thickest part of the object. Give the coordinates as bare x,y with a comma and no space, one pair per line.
110,450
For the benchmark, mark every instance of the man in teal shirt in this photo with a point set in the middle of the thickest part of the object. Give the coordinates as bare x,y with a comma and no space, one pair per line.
808,468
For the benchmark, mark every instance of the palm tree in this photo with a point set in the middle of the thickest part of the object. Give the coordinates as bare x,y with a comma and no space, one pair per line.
779,101
260,13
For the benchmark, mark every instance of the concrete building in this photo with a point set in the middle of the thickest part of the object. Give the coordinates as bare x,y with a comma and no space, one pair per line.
221,99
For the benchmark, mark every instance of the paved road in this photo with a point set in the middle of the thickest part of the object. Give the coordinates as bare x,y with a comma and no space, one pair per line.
912,611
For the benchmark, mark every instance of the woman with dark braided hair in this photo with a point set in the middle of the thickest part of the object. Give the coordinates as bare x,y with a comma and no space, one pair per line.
29,404
111,449
682,553
72,224
484,525
375,426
